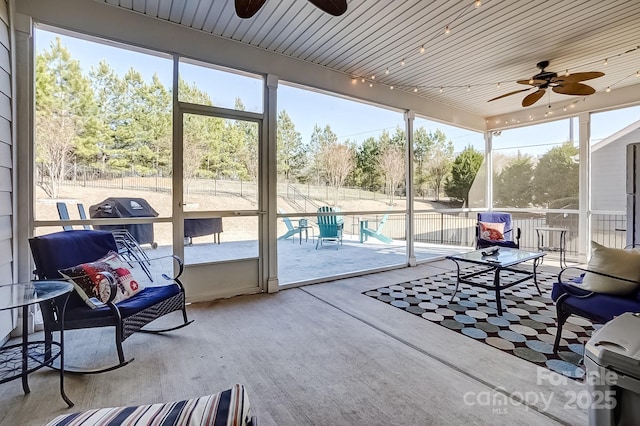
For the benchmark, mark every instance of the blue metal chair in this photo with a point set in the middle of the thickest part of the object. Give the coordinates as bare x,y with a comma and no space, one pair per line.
330,226
66,249
511,236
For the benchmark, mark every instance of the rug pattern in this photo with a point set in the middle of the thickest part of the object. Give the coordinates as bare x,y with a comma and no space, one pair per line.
526,329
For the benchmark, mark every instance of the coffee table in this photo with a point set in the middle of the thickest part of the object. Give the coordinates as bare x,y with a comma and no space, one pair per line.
503,260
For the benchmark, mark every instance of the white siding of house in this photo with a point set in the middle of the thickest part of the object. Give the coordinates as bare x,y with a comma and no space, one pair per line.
608,174
6,168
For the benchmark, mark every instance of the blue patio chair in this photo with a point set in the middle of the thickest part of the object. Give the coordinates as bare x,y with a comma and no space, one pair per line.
291,229
366,232
330,226
63,213
496,229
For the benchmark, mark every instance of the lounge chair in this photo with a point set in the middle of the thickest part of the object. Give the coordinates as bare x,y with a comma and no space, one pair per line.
366,232
330,226
291,229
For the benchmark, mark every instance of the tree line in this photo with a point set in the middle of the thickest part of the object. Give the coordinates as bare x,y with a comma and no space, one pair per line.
124,123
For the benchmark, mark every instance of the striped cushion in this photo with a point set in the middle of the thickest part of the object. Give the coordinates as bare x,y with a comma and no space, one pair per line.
227,408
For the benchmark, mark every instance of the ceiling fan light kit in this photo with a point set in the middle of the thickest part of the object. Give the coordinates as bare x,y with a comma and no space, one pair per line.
565,84
247,8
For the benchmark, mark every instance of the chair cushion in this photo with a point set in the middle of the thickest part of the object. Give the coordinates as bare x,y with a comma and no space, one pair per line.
93,287
144,299
230,407
65,249
492,231
617,262
598,307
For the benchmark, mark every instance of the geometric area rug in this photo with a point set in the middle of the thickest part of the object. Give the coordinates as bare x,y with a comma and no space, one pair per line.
526,329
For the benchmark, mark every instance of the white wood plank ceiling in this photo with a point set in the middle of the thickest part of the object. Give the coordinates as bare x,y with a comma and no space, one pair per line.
499,42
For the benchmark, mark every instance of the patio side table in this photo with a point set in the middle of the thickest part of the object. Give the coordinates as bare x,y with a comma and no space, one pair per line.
562,243
19,360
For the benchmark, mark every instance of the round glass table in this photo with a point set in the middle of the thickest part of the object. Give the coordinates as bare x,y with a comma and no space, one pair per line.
21,359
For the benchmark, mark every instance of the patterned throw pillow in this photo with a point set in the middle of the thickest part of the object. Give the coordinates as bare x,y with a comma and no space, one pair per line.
492,231
93,287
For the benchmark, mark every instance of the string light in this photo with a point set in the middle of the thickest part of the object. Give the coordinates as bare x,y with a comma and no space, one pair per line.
390,87
477,4
608,89
370,84
422,49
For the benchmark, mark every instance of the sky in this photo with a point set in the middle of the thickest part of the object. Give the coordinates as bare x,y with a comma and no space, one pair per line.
350,120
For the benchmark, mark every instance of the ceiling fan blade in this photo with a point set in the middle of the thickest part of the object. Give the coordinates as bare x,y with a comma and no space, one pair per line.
533,98
248,8
531,82
509,94
577,89
577,77
332,7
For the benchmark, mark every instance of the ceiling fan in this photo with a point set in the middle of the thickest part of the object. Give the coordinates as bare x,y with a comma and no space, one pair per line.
568,84
248,8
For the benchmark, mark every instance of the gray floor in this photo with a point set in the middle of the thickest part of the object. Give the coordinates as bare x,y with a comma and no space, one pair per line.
316,355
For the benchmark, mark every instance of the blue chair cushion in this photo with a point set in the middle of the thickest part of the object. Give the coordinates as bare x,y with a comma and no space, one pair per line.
597,306
65,249
498,217
143,300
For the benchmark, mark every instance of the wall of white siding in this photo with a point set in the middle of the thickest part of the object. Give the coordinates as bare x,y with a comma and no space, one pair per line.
608,174
6,167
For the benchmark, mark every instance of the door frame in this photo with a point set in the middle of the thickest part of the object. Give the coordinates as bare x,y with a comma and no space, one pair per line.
251,267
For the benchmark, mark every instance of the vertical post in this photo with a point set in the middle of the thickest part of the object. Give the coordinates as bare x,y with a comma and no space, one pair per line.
584,192
270,182
488,162
409,117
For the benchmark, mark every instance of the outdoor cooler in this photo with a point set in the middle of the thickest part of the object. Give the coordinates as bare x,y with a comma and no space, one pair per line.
612,358
121,207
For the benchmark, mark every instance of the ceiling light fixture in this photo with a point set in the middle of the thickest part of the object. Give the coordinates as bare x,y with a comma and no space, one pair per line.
373,77
390,87
363,80
608,89
415,90
477,4
566,73
606,62
370,84
422,49
468,88
402,62
386,71
447,30
441,90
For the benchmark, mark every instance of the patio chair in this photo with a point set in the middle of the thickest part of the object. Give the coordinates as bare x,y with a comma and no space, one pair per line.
63,213
291,229
496,229
329,225
608,287
366,232
82,255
